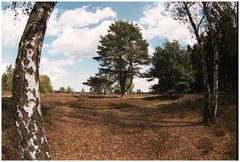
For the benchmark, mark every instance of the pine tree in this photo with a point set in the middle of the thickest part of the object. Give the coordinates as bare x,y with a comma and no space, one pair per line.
121,52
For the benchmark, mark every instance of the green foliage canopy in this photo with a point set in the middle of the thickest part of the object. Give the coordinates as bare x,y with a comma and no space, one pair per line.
69,89
45,84
7,78
171,65
99,83
62,90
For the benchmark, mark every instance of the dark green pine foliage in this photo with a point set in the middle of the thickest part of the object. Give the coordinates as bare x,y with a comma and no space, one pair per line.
171,65
195,55
100,83
122,51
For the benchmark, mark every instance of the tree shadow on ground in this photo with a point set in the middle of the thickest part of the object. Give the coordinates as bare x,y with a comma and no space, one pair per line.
162,97
9,151
129,116
183,107
119,118
123,106
97,96
8,111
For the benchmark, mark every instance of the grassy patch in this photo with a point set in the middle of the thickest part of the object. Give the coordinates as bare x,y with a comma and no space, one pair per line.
227,123
232,153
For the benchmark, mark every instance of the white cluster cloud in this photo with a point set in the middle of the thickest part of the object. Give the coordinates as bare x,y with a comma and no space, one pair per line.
52,27
56,69
80,17
159,23
76,18
4,67
74,36
79,42
12,29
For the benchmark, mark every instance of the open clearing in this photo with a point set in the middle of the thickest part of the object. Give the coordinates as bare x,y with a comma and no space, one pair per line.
142,127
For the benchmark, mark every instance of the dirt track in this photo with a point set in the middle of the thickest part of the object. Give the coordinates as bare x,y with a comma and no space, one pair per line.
112,128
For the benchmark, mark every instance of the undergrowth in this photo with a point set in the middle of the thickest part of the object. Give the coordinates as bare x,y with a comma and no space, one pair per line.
227,123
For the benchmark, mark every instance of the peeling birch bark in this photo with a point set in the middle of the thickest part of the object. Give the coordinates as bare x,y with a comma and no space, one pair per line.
32,141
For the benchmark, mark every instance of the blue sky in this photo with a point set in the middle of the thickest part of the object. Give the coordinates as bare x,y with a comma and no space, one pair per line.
73,34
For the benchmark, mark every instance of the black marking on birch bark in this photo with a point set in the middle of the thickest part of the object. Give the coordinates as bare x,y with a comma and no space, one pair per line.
26,62
16,115
34,92
31,148
29,46
37,101
30,70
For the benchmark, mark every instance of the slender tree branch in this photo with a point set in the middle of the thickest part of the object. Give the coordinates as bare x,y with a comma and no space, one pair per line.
224,21
198,26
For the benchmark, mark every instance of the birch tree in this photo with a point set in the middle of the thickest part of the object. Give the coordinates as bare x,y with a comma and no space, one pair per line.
32,141
214,11
182,11
206,18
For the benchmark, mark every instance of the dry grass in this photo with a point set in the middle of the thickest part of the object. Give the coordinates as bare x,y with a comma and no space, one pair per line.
132,128
226,124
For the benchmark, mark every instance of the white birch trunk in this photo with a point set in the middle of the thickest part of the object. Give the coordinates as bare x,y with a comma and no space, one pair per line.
32,141
215,66
207,95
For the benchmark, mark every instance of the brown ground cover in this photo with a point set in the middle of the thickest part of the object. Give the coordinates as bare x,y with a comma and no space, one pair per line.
140,127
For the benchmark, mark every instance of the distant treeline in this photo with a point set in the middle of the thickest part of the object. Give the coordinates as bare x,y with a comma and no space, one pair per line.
45,85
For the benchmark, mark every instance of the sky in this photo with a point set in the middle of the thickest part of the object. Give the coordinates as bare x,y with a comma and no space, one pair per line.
73,33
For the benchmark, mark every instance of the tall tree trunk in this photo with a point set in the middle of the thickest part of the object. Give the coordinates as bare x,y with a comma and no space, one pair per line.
215,66
122,86
32,141
130,68
130,84
207,94
215,84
